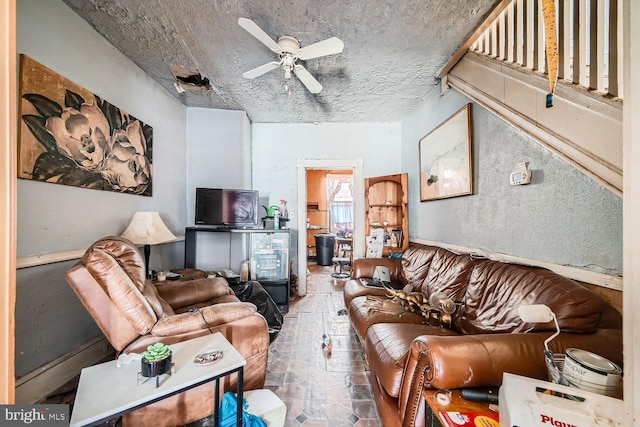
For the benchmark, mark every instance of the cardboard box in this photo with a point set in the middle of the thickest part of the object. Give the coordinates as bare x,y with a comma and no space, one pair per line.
525,402
470,419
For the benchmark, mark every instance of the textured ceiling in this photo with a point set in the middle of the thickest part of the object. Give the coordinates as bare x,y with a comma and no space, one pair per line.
393,49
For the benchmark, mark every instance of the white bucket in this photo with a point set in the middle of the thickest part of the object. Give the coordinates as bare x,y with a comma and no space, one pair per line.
590,372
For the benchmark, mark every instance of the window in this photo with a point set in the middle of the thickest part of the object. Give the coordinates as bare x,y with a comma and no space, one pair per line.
340,203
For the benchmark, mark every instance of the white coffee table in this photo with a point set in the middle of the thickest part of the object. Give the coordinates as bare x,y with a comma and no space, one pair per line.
106,391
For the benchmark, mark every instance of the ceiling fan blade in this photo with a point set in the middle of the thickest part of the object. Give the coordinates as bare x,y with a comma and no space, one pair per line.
323,48
252,74
258,33
307,79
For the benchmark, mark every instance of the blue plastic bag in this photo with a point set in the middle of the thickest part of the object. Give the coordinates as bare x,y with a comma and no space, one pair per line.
228,414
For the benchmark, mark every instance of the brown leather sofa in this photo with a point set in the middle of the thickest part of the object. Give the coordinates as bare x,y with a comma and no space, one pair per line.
486,338
133,313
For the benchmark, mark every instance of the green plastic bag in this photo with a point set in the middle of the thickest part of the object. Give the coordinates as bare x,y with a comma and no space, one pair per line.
228,414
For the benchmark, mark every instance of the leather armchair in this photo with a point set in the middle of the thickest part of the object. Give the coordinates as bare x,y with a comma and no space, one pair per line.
133,313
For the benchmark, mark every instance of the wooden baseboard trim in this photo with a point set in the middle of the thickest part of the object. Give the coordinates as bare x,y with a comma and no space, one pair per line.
586,276
38,384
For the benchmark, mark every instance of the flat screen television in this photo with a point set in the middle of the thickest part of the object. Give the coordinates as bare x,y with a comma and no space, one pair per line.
226,207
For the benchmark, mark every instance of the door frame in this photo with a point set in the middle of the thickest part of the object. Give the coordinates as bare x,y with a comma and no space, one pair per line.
8,186
356,167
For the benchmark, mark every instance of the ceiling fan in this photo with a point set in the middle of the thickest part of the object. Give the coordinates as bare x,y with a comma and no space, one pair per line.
289,52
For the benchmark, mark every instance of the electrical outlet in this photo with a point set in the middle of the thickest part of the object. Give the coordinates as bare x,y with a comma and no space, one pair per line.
292,214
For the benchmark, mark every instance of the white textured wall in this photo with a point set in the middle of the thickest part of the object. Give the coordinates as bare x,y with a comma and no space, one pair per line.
276,149
52,218
218,156
218,152
562,217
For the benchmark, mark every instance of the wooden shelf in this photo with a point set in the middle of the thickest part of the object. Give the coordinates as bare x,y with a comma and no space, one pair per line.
386,200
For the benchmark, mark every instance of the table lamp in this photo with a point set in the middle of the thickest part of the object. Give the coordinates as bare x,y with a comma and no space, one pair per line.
147,228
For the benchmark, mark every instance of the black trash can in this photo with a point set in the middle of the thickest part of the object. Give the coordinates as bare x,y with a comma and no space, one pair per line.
324,248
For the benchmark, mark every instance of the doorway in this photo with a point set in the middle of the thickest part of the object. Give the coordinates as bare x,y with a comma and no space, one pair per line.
329,207
355,166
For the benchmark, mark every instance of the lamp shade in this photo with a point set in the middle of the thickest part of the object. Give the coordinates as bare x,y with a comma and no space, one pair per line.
147,228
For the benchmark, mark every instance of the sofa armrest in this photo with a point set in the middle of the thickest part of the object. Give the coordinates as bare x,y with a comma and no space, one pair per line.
465,361
447,362
364,267
203,318
191,292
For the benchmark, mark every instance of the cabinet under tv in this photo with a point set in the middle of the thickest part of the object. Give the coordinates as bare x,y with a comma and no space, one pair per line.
268,252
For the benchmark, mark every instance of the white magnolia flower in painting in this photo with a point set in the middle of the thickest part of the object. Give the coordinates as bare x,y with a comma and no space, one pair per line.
82,136
126,167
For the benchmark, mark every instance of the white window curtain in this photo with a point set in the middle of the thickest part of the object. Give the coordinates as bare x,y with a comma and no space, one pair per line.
340,202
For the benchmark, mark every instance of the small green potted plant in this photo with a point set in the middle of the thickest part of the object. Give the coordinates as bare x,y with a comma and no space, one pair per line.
156,360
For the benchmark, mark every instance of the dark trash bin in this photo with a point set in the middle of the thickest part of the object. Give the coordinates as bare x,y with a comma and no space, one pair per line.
324,248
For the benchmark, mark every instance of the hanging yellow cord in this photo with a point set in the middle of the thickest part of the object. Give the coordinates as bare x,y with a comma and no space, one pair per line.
549,14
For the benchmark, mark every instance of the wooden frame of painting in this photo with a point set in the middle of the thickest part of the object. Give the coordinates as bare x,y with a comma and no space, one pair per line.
68,135
446,167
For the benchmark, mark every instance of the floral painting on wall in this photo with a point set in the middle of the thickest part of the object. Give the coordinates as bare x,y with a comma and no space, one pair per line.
71,136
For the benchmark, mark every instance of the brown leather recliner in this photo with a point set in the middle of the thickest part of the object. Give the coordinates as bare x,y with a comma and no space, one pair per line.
133,313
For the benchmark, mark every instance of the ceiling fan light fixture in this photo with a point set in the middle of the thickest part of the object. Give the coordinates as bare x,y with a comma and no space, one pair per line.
289,51
288,62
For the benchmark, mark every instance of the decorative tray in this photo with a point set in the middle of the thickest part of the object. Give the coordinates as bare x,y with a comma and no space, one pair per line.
208,357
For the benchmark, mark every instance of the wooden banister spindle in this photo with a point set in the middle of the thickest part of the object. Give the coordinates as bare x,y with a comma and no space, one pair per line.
564,39
613,88
597,60
502,36
588,31
540,51
583,34
532,34
511,33
575,78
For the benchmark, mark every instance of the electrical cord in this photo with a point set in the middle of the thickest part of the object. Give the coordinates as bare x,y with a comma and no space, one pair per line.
197,310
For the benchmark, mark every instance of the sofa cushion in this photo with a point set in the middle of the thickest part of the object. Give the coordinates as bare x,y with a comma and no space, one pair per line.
206,317
387,346
217,300
159,305
184,294
362,317
497,289
448,274
415,265
354,288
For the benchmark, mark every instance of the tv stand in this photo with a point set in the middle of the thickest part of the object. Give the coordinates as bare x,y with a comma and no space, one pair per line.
220,227
266,250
